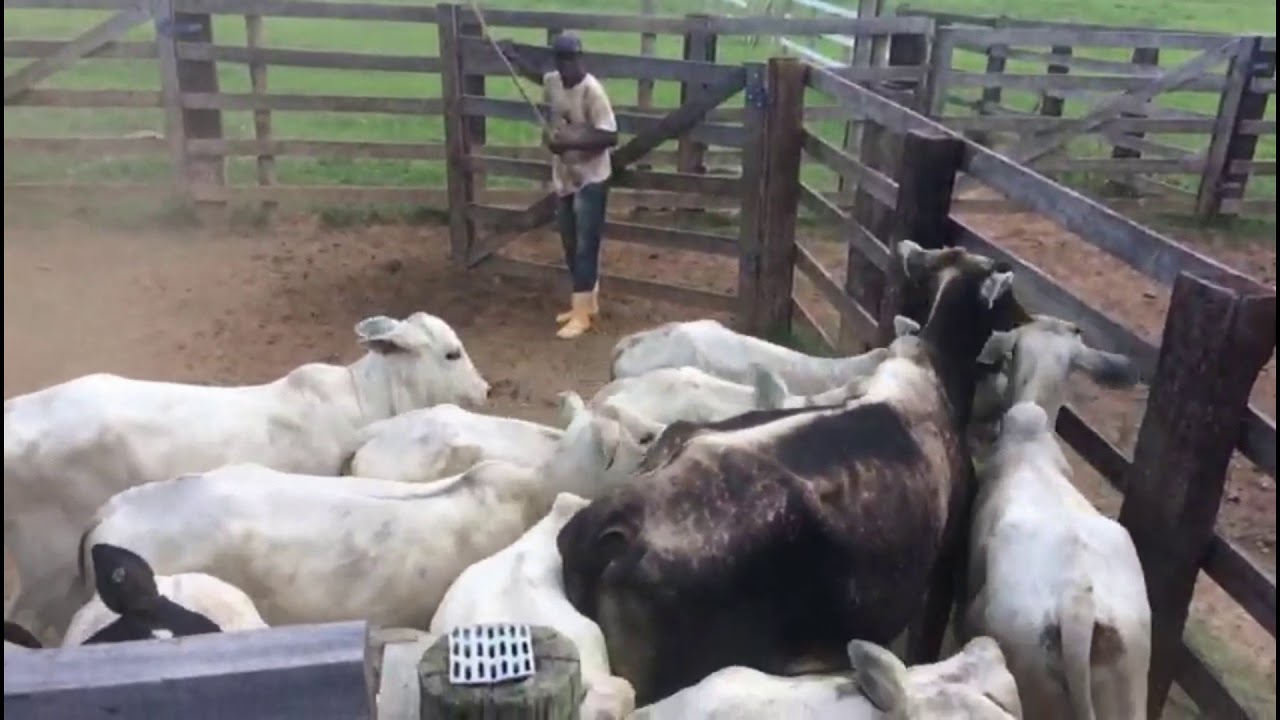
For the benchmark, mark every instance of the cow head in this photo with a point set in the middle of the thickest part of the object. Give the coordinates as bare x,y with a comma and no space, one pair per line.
598,449
125,581
414,363
1036,358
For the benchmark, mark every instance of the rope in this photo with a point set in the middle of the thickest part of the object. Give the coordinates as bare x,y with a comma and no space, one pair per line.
515,76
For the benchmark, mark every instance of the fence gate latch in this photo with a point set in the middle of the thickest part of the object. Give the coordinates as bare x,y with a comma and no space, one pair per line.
757,96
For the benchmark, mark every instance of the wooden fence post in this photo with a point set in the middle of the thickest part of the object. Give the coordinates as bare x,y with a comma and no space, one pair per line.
997,58
1050,104
778,192
1216,340
930,161
203,175
879,149
261,118
1240,103
699,46
474,85
461,190
648,43
751,217
862,54
1146,57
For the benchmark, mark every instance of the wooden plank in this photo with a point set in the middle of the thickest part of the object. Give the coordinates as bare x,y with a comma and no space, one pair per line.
648,41
318,9
1089,83
1075,62
1089,38
638,179
805,322
107,51
1258,440
712,133
672,238
719,25
661,292
107,30
459,178
698,47
195,77
1051,104
1026,125
1244,580
99,146
850,311
1204,684
89,99
879,185
857,236
345,149
1122,166
312,671
680,121
313,103
479,56
309,58
1217,338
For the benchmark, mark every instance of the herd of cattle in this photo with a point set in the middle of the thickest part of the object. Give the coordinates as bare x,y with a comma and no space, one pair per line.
728,529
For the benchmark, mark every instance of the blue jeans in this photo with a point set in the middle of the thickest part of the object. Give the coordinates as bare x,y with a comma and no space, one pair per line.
581,220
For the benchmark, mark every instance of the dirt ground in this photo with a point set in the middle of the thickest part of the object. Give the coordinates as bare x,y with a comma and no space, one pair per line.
246,306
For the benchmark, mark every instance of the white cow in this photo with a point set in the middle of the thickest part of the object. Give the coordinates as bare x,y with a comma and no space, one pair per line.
225,604
710,346
1035,360
687,393
70,447
445,440
1057,584
522,584
312,549
970,685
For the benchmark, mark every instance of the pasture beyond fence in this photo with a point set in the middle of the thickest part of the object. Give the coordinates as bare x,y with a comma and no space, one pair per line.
903,169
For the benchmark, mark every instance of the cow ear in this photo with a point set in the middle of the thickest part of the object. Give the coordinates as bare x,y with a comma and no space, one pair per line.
1107,369
881,676
386,336
903,325
997,347
608,434
125,581
914,258
570,405
994,287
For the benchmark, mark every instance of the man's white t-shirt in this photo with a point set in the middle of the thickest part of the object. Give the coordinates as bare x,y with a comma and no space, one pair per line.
583,104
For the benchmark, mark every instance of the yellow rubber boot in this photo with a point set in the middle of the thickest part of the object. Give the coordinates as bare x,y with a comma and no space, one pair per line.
579,317
563,317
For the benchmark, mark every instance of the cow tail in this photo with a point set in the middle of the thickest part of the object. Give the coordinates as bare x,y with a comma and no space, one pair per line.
1077,616
83,559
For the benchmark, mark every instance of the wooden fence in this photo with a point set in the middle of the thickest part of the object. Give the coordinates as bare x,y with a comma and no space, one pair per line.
1174,481
1177,155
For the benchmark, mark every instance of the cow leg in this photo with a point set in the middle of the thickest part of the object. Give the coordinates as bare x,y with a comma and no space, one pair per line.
947,583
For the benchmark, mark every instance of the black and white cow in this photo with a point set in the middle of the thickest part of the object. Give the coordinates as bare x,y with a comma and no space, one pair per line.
770,539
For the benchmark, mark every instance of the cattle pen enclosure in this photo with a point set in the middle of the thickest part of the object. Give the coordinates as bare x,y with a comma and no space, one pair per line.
852,149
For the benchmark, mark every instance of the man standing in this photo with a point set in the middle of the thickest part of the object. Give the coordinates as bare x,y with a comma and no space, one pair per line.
583,129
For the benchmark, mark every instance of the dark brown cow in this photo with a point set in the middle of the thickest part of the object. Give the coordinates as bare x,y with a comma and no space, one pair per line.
770,539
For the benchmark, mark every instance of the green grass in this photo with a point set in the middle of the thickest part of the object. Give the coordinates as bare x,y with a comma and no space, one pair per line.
416,39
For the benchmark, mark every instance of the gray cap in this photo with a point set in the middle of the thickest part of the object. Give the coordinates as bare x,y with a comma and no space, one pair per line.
566,43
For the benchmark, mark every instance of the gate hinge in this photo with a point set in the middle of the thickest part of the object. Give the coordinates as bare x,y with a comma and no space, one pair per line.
757,97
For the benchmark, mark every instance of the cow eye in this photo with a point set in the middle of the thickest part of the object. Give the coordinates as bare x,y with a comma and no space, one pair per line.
453,355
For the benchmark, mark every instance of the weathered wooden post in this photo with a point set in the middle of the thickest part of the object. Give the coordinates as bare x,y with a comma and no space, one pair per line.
767,255
458,178
879,149
554,692
750,217
204,175
699,46
1143,57
1050,103
997,58
930,161
254,39
473,84
1217,336
1226,170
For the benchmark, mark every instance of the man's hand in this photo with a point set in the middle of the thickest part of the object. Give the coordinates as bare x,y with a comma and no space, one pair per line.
554,142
